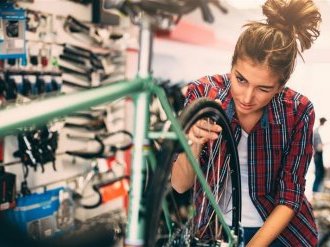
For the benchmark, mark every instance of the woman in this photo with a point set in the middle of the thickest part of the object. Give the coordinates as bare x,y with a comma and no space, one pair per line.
275,125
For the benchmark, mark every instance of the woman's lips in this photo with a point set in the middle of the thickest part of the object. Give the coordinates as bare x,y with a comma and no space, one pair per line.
246,106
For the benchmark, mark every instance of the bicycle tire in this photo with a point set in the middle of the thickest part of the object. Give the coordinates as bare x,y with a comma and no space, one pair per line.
199,109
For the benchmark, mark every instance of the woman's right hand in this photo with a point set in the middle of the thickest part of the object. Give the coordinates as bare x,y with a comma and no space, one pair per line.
203,131
183,176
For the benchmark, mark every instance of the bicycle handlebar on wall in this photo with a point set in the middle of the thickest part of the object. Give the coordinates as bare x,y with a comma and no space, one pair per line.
172,7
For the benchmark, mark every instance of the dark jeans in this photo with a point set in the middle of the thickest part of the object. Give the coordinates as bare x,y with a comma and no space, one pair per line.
249,233
319,171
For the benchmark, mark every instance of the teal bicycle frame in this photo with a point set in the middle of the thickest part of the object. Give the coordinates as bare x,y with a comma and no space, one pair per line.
140,89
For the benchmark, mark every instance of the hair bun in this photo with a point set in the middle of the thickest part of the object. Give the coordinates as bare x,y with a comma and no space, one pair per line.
300,18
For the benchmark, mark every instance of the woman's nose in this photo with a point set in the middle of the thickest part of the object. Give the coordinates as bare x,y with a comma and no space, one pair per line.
248,96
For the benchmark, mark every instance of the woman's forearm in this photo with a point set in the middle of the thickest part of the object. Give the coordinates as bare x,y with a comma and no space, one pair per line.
183,175
276,222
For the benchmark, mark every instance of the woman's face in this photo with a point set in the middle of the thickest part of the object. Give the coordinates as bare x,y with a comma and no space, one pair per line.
253,86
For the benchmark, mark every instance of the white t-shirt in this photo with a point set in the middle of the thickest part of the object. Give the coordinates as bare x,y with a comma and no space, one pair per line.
250,215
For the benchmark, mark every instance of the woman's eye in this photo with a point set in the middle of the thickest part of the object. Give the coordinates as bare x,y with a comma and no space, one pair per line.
264,90
240,79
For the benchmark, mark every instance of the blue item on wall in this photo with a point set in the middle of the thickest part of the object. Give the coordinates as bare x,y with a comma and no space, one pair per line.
12,31
35,214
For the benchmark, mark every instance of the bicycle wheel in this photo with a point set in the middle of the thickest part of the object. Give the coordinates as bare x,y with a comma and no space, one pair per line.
191,223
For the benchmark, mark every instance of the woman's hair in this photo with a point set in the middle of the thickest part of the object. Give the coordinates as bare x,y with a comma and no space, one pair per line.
290,28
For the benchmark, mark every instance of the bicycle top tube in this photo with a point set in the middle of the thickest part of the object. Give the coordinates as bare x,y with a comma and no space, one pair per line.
35,112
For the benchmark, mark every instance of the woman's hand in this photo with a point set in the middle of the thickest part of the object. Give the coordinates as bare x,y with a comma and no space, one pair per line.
183,176
204,130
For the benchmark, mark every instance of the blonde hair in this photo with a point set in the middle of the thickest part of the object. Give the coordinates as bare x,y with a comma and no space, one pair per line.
291,27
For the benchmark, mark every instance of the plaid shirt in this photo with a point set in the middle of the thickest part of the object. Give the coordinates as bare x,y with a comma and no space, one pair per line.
279,152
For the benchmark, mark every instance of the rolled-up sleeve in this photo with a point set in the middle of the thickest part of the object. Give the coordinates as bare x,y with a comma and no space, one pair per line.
291,184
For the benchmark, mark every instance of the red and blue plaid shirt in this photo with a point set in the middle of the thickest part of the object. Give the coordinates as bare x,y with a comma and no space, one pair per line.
279,153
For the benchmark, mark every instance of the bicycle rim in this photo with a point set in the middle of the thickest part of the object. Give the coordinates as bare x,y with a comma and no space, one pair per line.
192,220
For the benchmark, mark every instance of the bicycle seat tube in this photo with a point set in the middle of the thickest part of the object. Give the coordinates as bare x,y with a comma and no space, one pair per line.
134,230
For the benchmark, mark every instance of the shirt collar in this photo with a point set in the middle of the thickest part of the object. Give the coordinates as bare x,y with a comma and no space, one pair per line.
230,111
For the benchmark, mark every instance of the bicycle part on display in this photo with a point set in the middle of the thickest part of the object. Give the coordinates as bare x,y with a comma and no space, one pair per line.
93,120
36,148
25,190
116,36
89,180
72,25
89,155
90,126
166,9
102,186
28,83
87,59
32,20
97,188
84,68
108,144
174,91
158,120
9,87
91,115
107,183
26,153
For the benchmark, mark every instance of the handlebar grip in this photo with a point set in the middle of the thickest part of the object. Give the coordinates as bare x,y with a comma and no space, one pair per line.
206,12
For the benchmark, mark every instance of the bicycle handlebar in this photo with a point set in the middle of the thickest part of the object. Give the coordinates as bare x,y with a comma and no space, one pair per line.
176,7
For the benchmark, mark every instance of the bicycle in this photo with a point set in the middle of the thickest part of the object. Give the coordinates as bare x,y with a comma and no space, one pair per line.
150,222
